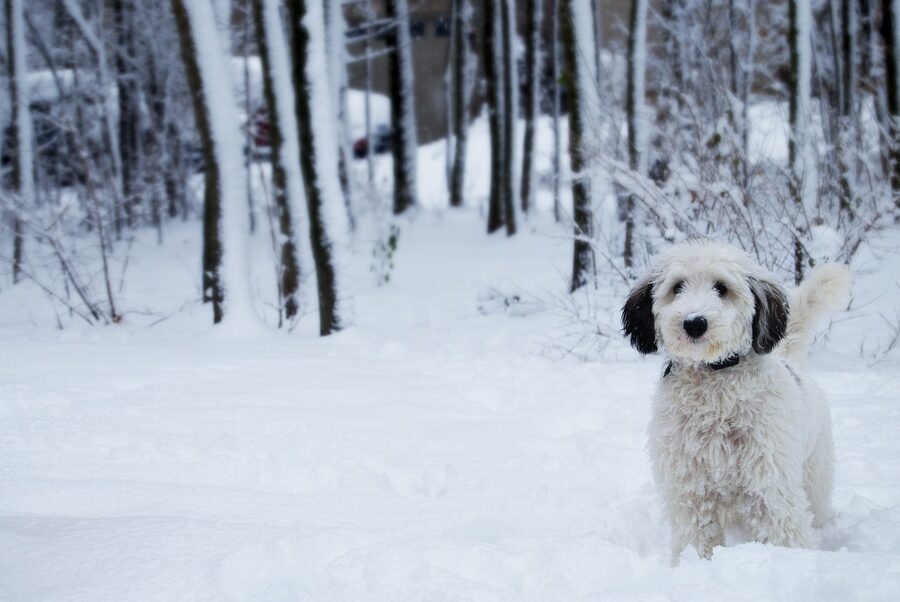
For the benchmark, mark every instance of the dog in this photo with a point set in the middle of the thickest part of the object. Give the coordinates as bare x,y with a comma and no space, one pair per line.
739,433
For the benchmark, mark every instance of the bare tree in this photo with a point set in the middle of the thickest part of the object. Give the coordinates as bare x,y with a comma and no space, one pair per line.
578,78
510,113
493,65
460,85
802,177
21,140
225,227
317,161
890,31
531,88
403,116
637,56
276,86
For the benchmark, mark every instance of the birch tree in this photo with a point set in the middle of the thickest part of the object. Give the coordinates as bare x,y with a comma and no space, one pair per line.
403,117
318,155
279,97
225,219
21,139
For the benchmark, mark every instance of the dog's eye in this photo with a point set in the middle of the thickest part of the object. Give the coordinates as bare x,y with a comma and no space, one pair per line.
721,289
679,286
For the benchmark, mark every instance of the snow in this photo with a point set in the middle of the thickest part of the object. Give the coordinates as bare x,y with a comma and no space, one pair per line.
445,447
437,450
223,121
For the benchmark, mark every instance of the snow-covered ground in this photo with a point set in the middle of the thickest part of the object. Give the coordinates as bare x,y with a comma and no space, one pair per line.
440,449
447,446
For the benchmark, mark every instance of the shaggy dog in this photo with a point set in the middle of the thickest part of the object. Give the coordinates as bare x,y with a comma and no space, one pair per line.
738,432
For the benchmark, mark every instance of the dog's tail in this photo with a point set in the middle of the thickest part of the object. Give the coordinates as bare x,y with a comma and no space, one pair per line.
825,290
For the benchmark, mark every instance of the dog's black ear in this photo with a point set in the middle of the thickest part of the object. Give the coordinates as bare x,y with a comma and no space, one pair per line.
770,314
637,317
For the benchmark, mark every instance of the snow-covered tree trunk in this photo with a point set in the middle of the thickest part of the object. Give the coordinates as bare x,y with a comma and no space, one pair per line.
21,139
335,32
403,115
531,88
510,114
460,99
555,106
226,268
634,101
802,164
746,90
129,107
285,158
318,156
493,74
890,31
367,64
576,25
847,100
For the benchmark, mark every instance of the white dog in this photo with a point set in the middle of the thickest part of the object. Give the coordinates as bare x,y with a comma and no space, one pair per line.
738,432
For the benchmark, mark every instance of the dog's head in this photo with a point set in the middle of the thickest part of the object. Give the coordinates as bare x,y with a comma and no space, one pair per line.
704,302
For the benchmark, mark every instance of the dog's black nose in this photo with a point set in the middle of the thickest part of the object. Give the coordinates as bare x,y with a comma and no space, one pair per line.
695,327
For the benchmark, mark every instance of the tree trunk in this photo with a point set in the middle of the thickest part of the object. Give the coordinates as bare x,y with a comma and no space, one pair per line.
225,253
531,88
129,111
273,56
890,31
460,100
577,76
317,180
403,117
801,178
634,92
510,110
21,139
555,108
847,99
493,78
337,60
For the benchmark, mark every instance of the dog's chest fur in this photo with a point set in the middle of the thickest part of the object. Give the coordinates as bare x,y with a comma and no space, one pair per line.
708,427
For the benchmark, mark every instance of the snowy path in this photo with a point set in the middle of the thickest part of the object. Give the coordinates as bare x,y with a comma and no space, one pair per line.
431,452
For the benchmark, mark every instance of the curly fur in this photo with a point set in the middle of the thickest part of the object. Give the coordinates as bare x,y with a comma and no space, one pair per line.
750,443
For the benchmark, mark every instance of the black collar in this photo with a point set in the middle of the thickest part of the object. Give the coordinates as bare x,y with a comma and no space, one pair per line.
728,362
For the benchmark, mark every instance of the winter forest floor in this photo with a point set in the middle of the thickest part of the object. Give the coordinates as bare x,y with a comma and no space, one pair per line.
440,449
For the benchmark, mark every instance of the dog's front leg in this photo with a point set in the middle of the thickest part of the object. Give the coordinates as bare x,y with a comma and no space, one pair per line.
780,515
696,521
